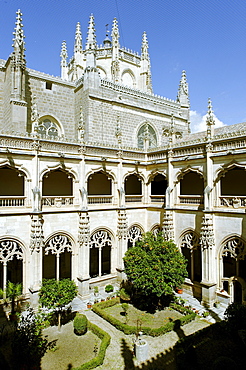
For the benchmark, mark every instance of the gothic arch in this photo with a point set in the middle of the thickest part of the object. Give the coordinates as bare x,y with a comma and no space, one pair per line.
104,73
155,229
189,244
55,123
101,248
68,170
134,233
181,173
107,172
16,167
232,267
227,167
134,172
128,72
58,250
154,173
12,258
140,132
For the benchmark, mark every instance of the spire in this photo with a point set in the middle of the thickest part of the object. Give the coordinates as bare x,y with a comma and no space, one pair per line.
91,44
183,92
115,67
145,65
145,47
18,40
64,56
78,40
115,34
91,35
210,121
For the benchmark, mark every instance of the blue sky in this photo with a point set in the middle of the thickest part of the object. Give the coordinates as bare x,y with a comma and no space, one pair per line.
207,38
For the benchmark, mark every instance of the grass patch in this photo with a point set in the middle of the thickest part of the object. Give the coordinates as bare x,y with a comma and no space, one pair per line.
155,324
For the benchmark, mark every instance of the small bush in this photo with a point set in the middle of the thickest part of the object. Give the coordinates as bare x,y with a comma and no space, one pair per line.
80,324
109,288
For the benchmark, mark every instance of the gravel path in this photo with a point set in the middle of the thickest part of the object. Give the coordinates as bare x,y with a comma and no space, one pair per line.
119,355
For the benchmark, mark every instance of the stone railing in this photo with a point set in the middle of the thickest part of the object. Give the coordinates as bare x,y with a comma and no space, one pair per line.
57,201
157,199
100,199
233,201
12,201
134,198
191,199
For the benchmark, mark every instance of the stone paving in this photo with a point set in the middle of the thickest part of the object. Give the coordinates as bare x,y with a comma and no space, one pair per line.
119,355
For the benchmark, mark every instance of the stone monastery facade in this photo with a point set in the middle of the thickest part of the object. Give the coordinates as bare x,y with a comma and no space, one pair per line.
91,160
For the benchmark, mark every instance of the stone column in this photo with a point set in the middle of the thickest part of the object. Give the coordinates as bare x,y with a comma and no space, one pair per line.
83,254
122,241
209,269
36,248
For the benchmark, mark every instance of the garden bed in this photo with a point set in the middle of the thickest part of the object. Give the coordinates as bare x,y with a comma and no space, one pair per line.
155,324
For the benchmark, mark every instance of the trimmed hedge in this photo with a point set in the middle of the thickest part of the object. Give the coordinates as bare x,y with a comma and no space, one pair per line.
105,340
98,308
80,324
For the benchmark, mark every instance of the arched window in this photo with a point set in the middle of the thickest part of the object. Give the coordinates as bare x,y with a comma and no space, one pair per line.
99,183
191,188
128,78
133,235
11,182
158,188
11,262
57,183
133,185
191,250
100,254
146,133
48,129
233,182
57,258
234,267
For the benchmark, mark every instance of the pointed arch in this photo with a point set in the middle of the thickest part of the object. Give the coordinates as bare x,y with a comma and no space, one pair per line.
134,233
49,127
146,131
101,244
102,71
57,255
189,243
227,167
128,78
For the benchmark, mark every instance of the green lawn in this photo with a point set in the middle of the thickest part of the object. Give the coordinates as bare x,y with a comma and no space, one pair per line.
156,320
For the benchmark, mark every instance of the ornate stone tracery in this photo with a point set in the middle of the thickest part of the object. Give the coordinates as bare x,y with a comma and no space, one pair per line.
235,248
10,249
134,234
84,228
190,240
168,229
58,244
122,224
37,237
100,239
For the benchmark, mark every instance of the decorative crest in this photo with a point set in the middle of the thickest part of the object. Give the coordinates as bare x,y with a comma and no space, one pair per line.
64,54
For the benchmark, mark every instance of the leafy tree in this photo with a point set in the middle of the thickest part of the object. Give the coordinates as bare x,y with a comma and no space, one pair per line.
154,266
56,294
12,292
28,344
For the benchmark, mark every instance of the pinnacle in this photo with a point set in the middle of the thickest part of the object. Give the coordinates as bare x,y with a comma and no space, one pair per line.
210,115
18,32
91,34
78,39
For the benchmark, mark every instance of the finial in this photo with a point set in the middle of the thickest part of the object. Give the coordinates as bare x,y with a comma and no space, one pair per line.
210,115
145,47
78,40
64,54
115,33
91,34
106,41
183,91
18,40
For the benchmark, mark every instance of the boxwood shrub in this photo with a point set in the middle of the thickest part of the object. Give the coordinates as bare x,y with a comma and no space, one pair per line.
109,288
105,340
154,332
80,324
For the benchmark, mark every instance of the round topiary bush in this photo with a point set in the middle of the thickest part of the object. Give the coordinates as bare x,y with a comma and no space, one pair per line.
109,288
80,324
